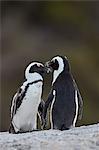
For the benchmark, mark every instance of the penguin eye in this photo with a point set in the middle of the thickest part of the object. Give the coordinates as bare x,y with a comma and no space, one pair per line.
55,64
32,69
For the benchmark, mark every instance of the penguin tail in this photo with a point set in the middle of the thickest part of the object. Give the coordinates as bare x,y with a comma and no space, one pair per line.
11,129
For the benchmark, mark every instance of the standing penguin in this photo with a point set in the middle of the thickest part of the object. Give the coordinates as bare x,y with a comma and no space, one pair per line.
64,98
27,101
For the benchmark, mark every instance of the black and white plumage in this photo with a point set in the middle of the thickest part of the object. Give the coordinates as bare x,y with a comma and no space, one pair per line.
27,100
65,101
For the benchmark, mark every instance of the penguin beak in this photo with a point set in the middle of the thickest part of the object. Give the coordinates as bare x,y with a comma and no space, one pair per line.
42,70
48,66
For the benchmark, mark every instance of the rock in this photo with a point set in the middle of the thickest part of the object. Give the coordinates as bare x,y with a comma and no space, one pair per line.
79,138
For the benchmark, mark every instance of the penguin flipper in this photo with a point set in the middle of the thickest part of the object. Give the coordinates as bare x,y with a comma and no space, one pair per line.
41,106
40,112
80,101
16,101
80,104
15,104
47,104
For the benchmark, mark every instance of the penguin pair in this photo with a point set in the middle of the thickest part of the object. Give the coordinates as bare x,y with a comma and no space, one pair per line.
64,100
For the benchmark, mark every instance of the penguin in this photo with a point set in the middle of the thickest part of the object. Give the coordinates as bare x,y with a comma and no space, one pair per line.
64,99
27,102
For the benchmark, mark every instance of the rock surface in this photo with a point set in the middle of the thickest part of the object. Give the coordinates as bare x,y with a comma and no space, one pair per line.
79,138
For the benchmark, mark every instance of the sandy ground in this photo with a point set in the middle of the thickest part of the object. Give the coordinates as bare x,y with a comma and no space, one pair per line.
79,138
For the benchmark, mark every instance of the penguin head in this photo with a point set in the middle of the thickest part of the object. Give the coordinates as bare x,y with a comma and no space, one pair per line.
34,69
58,63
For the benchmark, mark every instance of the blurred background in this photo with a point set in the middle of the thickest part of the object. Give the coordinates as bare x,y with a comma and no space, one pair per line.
40,30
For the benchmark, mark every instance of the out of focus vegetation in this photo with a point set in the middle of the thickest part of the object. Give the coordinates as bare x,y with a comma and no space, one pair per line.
40,30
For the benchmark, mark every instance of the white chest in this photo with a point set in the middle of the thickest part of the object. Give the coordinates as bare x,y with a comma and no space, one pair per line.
27,113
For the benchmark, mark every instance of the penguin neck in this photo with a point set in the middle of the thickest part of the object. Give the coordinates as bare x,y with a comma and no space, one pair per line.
62,75
60,69
56,74
34,77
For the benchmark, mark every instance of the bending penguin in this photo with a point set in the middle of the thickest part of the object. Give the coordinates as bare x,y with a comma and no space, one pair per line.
65,101
27,103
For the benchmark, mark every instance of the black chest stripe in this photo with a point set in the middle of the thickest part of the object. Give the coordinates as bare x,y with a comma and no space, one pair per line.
22,94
